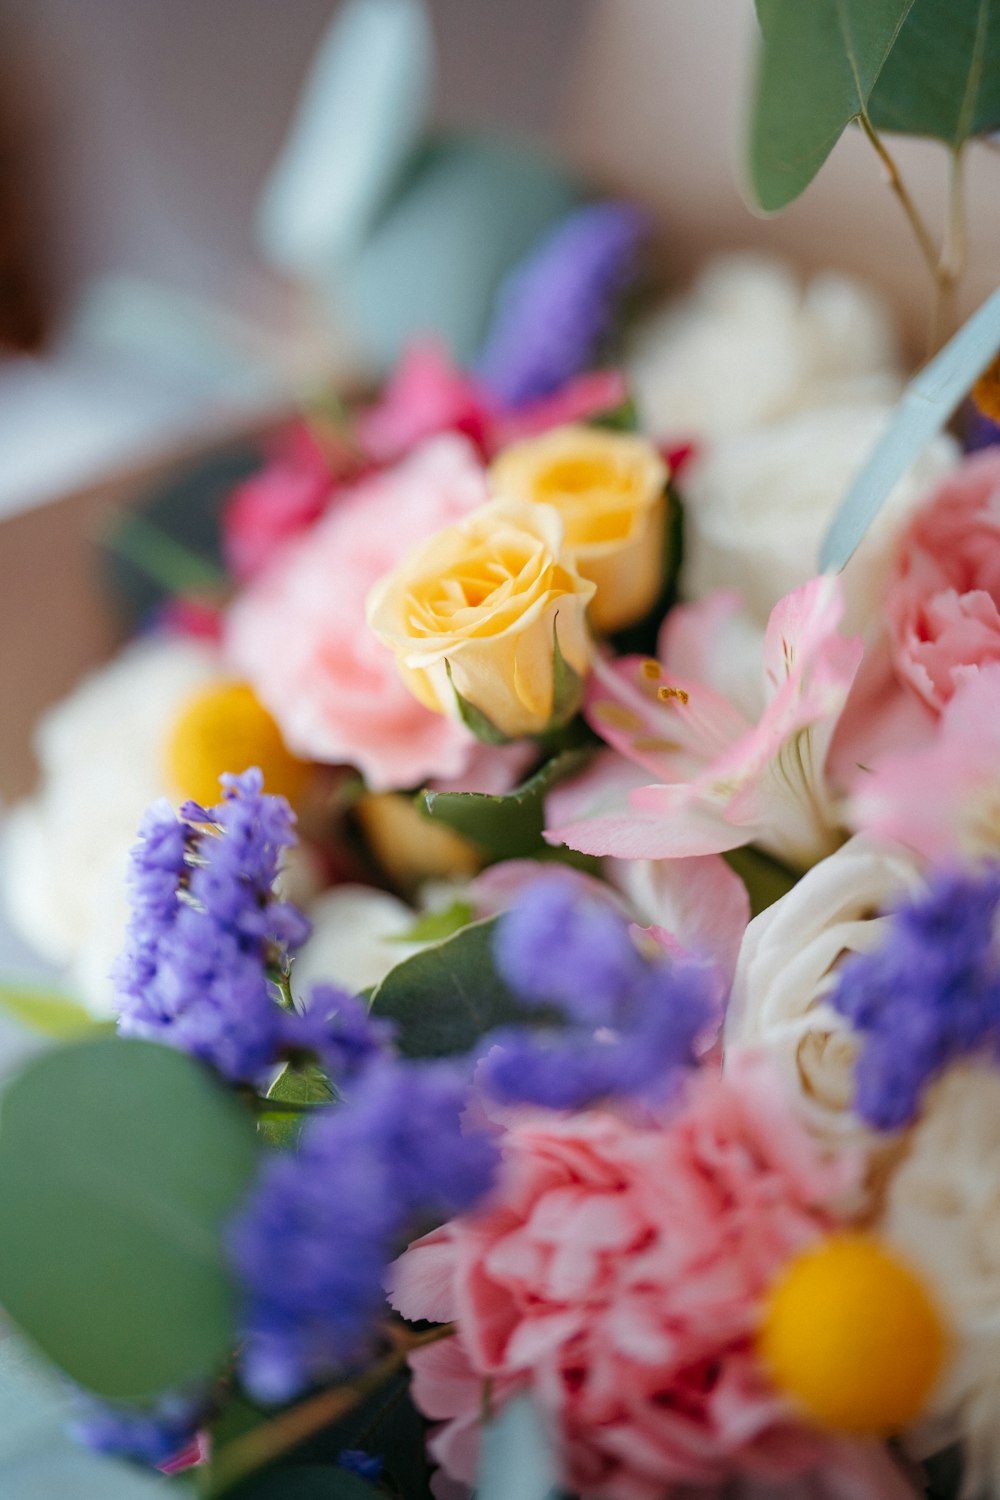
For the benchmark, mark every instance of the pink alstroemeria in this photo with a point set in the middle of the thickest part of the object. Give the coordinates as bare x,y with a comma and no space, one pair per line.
704,777
943,799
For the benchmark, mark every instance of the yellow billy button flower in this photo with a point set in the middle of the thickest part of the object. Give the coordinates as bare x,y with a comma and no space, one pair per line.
986,391
609,488
851,1335
487,620
225,728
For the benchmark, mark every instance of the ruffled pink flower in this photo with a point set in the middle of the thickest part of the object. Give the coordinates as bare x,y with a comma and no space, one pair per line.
942,799
299,633
701,776
617,1276
279,501
582,397
426,394
943,604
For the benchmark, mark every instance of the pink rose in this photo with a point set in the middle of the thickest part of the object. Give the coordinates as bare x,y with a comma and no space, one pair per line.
617,1274
299,635
943,604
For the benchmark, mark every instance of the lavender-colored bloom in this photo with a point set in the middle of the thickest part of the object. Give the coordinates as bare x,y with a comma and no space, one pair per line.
206,930
929,995
558,305
634,1023
152,1436
311,1247
978,430
338,1030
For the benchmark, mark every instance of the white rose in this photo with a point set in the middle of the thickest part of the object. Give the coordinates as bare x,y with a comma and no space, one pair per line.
101,757
749,345
942,1210
787,967
757,505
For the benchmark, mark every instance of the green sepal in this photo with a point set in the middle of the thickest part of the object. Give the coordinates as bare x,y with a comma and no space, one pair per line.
567,685
621,418
474,719
508,826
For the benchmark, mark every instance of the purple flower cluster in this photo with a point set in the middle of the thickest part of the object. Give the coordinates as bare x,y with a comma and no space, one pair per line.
207,932
152,1436
634,1023
311,1247
558,305
929,995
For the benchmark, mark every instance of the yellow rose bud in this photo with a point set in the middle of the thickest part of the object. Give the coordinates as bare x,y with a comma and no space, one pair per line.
475,611
411,848
609,488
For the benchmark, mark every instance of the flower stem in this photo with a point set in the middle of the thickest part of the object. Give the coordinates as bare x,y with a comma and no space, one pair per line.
924,238
264,1444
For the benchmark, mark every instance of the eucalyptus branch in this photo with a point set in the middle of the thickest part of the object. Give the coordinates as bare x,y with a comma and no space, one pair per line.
925,239
263,1444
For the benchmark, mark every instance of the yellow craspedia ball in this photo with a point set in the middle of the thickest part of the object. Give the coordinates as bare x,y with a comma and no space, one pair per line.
224,728
986,391
851,1335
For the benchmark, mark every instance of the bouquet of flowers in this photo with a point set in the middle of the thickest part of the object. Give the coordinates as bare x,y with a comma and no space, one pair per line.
551,1041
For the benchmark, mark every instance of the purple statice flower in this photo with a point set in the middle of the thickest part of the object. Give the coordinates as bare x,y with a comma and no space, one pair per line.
557,306
154,1435
978,430
633,1022
207,932
927,996
311,1247
338,1031
357,1461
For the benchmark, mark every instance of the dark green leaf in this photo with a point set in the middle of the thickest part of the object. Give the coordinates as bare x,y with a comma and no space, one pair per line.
942,77
474,719
433,926
305,1086
120,1165
46,1012
445,998
819,62
509,826
305,1482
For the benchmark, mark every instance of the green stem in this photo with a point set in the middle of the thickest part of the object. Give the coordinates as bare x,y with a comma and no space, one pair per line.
264,1444
951,266
925,239
160,557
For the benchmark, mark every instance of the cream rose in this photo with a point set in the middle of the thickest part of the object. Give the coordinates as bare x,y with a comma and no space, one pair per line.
787,968
475,612
942,1210
609,488
757,505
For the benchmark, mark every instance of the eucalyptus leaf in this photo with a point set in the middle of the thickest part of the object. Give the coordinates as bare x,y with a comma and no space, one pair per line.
46,1012
448,996
517,1460
509,825
819,62
942,77
305,1086
923,410
121,1163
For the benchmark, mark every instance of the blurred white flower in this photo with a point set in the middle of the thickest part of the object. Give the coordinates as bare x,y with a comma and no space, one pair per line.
750,345
101,759
942,1210
356,939
787,968
757,505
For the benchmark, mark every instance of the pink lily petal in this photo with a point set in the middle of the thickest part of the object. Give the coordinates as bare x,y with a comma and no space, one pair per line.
721,781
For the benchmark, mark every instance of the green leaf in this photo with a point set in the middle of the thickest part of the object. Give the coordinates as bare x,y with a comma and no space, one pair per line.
46,1012
766,879
433,926
621,418
819,62
509,826
924,409
445,998
517,1461
121,1163
306,1482
306,1086
942,77
474,719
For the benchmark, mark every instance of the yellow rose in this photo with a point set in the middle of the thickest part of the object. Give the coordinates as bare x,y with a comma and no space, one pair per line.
609,488
475,611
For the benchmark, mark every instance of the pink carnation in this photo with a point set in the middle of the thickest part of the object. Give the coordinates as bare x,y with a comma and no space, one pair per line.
299,633
286,496
618,1276
943,604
